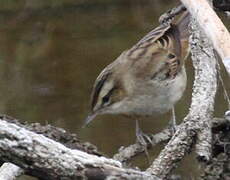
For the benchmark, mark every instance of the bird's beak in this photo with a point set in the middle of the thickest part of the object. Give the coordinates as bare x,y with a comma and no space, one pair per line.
89,118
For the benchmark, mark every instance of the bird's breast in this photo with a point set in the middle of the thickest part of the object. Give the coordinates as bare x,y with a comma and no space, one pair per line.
155,97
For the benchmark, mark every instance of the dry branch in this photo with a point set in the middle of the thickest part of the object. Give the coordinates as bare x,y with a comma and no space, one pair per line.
212,26
127,153
204,63
26,158
45,158
57,134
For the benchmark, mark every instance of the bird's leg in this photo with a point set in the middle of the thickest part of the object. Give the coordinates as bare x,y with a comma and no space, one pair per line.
172,122
143,139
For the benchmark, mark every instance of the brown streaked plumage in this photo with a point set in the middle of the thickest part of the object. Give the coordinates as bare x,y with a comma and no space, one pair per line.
147,79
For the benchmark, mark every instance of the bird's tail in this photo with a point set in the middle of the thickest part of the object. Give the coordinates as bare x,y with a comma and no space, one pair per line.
182,24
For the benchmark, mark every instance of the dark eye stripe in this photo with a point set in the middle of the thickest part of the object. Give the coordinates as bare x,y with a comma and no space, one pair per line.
97,89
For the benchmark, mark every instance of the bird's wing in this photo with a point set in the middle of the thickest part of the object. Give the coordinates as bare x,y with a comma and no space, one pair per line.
157,54
154,34
147,41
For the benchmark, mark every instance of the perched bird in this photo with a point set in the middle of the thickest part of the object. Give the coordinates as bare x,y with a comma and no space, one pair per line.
147,79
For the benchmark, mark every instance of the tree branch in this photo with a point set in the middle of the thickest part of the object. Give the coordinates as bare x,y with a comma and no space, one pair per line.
213,28
57,134
43,157
127,153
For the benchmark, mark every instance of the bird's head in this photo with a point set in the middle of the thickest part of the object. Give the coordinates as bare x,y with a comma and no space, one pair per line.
106,97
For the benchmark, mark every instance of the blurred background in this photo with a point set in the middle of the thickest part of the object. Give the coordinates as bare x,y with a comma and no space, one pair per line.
51,51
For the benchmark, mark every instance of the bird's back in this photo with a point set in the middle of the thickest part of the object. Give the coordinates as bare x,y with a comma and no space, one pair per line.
159,54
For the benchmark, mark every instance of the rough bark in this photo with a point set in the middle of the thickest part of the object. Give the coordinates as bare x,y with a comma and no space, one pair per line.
204,63
57,134
10,171
16,144
44,158
212,26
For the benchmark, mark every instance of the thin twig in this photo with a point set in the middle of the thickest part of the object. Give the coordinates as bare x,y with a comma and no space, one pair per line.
127,153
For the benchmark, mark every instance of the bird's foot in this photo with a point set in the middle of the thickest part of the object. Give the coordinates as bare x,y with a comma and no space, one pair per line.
172,122
143,139
172,128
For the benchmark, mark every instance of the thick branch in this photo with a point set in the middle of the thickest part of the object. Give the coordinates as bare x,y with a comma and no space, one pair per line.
57,134
43,157
212,26
206,76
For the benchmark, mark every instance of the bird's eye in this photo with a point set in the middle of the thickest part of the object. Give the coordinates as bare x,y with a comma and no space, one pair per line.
171,56
105,99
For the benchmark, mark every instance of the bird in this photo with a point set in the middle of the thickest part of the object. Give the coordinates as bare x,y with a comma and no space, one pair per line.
147,79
